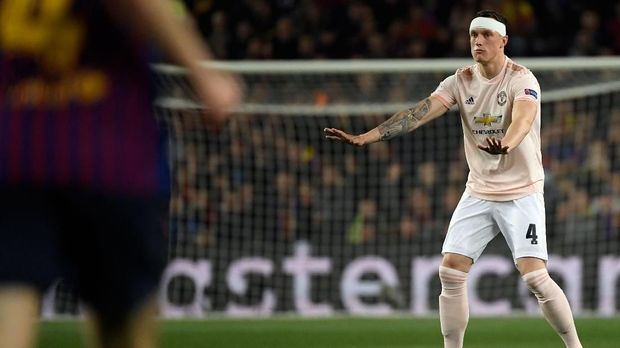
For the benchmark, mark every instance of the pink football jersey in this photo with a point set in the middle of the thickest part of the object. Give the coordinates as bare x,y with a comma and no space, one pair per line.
485,106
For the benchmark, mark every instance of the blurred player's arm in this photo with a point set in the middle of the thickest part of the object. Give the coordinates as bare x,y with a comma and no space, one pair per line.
399,124
178,39
523,115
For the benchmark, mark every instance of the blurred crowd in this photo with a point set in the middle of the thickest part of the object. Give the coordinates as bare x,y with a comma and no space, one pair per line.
340,29
582,166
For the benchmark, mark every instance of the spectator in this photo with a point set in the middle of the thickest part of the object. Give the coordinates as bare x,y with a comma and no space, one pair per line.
285,42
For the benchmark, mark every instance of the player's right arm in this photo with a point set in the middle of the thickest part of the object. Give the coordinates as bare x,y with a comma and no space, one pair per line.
399,124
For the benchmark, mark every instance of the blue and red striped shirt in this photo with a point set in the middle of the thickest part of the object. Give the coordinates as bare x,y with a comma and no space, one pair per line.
76,107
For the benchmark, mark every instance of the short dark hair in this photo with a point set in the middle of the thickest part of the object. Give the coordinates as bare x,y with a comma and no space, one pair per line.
492,14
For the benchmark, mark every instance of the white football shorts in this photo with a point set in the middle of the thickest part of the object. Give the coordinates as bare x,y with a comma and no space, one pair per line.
476,222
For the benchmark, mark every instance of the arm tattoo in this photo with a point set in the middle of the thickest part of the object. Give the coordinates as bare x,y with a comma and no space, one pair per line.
404,121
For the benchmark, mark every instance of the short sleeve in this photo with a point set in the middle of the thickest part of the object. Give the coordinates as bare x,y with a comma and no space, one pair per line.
526,87
445,92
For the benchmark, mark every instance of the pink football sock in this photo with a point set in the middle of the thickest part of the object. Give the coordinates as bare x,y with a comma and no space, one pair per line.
453,307
554,306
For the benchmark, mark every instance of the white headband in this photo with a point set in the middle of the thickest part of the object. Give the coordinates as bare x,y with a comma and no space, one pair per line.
488,23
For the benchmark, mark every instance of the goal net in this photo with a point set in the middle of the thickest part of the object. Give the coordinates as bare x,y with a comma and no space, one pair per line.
268,217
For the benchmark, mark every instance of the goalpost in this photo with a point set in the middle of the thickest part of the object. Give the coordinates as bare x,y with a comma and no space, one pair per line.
268,217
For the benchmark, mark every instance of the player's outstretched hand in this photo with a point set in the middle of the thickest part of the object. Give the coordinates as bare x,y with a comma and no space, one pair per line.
494,147
337,134
220,91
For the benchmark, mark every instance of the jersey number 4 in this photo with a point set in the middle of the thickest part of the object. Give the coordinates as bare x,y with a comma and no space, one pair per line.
531,234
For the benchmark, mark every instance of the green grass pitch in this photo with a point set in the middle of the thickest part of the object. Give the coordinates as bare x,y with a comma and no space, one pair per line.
350,333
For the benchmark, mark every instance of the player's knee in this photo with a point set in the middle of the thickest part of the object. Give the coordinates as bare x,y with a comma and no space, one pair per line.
452,281
527,265
536,281
457,262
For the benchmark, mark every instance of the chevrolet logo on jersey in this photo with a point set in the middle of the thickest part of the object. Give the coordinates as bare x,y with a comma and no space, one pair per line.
487,119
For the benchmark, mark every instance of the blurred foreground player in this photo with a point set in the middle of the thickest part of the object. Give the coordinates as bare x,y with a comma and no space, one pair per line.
83,175
499,103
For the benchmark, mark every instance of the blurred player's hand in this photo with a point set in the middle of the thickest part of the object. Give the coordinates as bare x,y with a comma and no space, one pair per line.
337,134
219,91
494,147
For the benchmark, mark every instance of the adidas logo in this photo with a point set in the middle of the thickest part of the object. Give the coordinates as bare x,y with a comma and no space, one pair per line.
470,101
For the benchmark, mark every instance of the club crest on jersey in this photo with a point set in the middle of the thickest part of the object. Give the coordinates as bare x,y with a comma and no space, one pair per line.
502,98
487,120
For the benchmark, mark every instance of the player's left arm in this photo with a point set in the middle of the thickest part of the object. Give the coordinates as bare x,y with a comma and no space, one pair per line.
523,115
